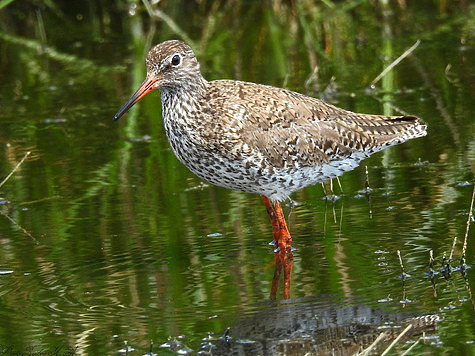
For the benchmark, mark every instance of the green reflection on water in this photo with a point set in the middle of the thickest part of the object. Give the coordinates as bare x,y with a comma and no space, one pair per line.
110,238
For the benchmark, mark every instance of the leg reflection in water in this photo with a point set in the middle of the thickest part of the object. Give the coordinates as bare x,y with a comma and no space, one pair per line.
283,243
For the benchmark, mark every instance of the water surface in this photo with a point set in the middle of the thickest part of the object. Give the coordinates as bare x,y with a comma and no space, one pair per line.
107,238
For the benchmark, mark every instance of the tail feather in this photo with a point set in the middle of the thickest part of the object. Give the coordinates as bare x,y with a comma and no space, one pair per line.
394,130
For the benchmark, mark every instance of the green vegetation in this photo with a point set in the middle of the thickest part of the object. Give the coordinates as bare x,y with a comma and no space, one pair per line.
125,241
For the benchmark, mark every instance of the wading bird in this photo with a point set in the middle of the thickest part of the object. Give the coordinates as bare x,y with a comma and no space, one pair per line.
260,139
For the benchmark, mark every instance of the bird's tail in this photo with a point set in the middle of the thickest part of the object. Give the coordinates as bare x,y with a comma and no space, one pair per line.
393,130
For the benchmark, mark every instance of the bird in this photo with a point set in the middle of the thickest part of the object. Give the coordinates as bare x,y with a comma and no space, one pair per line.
257,138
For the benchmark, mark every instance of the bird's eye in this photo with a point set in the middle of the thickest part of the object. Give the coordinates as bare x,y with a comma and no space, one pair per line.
176,60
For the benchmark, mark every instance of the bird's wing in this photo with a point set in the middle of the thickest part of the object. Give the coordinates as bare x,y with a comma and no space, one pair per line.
290,129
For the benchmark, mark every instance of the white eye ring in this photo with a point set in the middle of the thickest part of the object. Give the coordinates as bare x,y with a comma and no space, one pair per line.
176,60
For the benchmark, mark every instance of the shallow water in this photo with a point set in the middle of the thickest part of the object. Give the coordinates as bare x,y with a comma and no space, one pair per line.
106,238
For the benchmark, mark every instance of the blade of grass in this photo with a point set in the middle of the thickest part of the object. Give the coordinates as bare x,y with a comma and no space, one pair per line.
14,169
4,3
394,63
158,14
470,214
368,350
397,339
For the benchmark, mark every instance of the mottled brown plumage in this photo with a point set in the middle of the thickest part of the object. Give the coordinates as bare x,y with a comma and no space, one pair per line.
256,138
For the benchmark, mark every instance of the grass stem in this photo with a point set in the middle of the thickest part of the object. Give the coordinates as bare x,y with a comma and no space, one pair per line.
470,215
373,345
397,339
410,349
403,274
395,63
14,169
453,248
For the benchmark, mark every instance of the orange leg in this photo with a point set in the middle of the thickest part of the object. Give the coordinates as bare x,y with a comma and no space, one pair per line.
283,240
273,220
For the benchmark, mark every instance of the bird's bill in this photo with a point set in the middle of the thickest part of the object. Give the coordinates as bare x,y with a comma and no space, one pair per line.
146,87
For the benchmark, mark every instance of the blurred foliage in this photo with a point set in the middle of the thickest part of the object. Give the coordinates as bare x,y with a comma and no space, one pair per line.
125,237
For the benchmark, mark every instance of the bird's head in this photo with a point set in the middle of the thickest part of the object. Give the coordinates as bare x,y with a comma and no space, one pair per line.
171,66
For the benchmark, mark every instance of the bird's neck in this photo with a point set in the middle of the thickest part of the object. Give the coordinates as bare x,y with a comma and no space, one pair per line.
184,95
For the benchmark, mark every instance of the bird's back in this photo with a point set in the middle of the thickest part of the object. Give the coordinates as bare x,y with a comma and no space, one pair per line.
287,128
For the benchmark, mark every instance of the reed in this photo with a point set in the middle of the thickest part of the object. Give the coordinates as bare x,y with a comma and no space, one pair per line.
14,169
396,340
469,219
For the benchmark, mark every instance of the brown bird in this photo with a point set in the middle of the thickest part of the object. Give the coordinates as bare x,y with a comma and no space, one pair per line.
260,139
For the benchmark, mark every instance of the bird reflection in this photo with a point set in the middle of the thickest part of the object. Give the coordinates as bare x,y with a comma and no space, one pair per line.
283,261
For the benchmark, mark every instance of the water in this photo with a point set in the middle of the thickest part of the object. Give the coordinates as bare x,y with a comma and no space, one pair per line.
106,238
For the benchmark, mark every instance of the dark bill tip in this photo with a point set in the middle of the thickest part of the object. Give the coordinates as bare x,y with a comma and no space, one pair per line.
146,87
